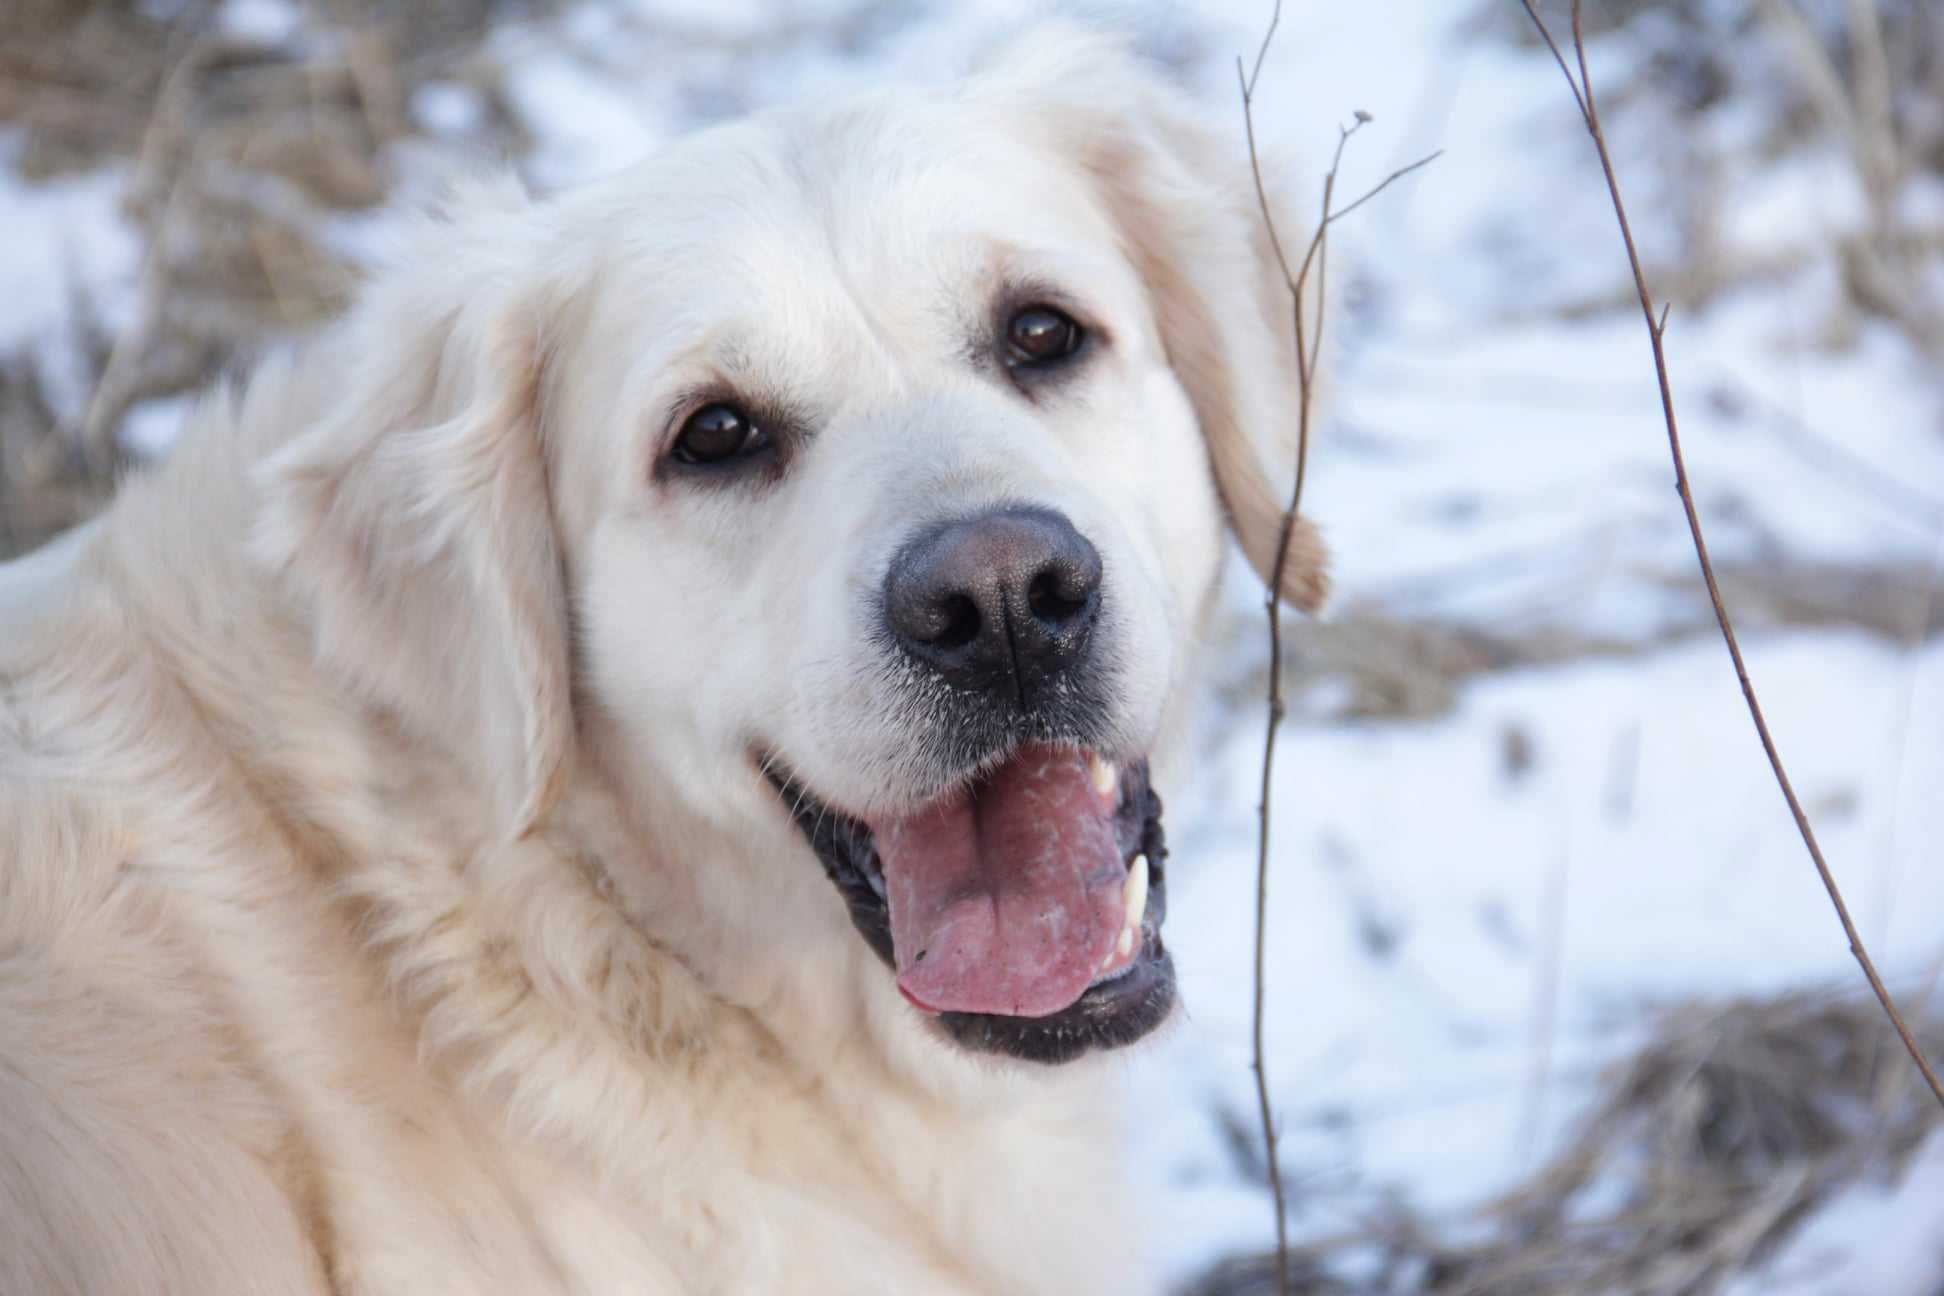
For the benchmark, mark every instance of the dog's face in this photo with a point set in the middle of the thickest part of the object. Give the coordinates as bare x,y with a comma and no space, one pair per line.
911,528
888,450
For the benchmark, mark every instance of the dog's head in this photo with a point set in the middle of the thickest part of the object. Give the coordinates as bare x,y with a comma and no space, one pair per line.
851,483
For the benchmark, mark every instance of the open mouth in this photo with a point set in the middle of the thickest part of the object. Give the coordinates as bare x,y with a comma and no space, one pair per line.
1021,909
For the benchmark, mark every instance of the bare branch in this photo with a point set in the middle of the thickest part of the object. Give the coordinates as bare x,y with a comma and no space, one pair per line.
1308,347
1386,183
1546,34
1271,1162
1589,111
1248,87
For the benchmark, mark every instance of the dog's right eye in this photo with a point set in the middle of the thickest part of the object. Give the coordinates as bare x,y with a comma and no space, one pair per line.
717,434
1041,336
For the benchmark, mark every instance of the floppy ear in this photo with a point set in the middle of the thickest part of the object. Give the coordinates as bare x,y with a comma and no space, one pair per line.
412,520
1181,195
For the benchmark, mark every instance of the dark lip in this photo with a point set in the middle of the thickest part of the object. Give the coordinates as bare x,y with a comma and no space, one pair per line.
1109,1015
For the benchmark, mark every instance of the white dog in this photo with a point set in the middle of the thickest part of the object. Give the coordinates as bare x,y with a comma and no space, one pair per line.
625,766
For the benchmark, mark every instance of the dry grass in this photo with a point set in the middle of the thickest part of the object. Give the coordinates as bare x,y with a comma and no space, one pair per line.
1374,662
1864,78
1702,1153
241,154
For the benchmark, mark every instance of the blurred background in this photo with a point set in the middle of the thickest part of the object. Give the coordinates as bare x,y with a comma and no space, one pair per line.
1557,1004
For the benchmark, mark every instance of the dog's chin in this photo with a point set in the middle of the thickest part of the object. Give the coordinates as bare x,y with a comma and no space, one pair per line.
1127,992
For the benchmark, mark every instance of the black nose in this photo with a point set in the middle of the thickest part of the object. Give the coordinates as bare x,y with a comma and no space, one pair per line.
1002,603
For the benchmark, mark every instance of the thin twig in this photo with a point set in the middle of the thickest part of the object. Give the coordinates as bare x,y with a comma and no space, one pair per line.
1385,183
1589,111
1262,52
1308,339
1271,1163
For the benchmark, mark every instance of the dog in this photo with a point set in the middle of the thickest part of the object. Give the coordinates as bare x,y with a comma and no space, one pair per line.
628,763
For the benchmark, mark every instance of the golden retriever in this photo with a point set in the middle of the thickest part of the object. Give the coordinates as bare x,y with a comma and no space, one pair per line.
627,765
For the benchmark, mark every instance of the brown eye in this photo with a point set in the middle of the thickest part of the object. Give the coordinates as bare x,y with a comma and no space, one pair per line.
717,434
1041,335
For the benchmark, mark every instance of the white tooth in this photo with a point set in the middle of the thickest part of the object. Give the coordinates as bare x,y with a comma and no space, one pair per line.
1125,945
1106,779
1134,894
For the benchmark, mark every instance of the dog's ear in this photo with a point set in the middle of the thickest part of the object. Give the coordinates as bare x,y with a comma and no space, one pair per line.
411,521
1180,192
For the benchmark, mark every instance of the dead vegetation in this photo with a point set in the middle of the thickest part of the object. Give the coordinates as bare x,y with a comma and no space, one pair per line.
1864,80
1702,1153
1587,100
1723,87
245,153
1374,661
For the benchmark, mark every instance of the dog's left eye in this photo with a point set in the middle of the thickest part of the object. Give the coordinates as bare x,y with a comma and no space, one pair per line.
716,434
1041,335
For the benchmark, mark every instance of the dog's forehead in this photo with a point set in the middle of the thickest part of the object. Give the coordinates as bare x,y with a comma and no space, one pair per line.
896,198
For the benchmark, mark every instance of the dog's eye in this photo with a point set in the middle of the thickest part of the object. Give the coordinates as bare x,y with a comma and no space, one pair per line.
1041,335
717,434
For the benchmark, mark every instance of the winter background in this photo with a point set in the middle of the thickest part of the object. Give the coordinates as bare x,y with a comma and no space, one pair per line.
1557,1003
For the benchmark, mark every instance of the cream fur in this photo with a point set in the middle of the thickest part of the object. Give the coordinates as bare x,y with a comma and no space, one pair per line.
388,903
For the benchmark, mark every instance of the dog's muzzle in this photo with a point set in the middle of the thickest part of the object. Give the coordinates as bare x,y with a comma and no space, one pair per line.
1018,896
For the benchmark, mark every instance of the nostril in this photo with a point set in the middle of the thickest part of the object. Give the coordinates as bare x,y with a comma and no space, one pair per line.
1055,597
958,622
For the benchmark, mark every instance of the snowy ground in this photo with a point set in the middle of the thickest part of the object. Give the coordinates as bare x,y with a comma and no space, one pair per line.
1470,913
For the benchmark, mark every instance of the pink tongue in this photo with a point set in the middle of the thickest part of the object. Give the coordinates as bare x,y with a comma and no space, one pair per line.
1008,901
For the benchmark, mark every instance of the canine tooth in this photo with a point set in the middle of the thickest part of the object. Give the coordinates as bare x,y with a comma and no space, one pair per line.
1106,779
1134,894
1125,945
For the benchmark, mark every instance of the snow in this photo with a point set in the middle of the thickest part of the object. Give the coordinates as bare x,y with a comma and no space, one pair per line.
1458,942
442,108
261,22
1415,871
65,239
1901,1231
152,427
